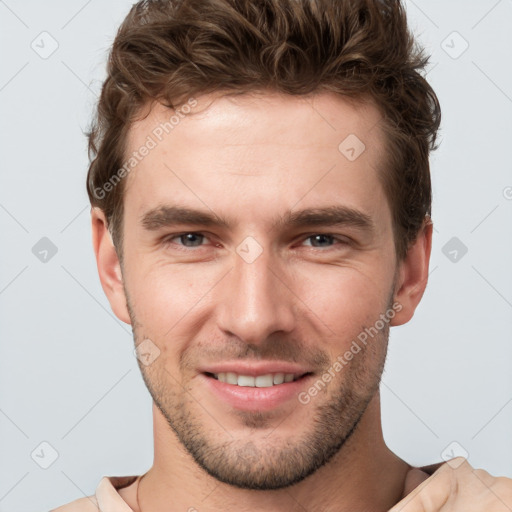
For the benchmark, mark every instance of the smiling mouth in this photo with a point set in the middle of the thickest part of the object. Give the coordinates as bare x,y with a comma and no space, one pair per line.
256,381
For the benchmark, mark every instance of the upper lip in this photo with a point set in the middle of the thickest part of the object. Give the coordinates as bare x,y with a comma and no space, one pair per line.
255,368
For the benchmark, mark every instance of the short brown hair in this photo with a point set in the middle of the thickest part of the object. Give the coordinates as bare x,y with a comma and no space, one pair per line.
168,50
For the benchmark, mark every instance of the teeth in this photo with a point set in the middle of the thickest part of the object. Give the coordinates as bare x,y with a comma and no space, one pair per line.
246,380
278,378
231,378
264,381
261,381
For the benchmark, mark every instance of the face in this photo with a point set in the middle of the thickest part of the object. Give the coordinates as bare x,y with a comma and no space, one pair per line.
256,252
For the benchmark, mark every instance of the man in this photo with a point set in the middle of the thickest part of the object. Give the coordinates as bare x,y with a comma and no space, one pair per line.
261,217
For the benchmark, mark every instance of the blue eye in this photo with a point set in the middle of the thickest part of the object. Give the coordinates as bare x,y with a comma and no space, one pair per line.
195,239
327,241
191,240
320,237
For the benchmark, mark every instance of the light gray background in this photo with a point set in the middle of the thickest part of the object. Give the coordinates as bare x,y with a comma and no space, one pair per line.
67,371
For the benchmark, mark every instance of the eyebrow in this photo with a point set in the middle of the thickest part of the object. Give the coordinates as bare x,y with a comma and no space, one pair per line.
169,215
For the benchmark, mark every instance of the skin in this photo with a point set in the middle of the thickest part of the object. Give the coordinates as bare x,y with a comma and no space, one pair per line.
251,160
457,486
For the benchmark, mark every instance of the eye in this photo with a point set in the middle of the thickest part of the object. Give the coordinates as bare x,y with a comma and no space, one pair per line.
320,240
187,240
191,239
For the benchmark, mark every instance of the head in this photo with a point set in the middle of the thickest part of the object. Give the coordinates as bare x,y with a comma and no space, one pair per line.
292,137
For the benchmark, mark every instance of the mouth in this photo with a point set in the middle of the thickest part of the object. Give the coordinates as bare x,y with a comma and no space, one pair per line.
266,380
263,386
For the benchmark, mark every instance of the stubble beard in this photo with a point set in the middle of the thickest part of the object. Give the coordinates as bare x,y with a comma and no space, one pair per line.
272,461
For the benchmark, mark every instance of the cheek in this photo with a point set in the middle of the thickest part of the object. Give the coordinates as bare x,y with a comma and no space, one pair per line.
332,303
344,299
162,295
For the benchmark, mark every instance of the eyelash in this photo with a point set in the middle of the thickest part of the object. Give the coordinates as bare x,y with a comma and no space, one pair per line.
168,240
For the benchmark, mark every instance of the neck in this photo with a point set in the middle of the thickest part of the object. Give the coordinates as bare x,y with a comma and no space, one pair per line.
364,475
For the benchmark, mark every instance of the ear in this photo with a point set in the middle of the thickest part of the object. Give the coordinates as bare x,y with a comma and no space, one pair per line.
109,267
413,275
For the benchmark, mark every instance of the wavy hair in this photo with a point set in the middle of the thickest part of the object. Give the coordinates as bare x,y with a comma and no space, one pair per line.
168,50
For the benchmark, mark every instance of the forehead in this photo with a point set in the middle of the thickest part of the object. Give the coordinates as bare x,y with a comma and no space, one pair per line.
230,151
320,119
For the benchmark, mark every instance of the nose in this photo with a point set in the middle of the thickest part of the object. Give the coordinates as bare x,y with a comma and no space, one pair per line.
255,301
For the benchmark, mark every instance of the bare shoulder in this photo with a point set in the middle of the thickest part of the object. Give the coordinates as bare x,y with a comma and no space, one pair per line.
88,504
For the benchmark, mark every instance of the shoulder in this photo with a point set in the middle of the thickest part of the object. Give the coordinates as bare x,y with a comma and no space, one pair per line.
88,504
106,496
415,476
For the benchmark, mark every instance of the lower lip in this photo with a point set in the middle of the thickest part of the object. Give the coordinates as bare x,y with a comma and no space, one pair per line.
256,399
